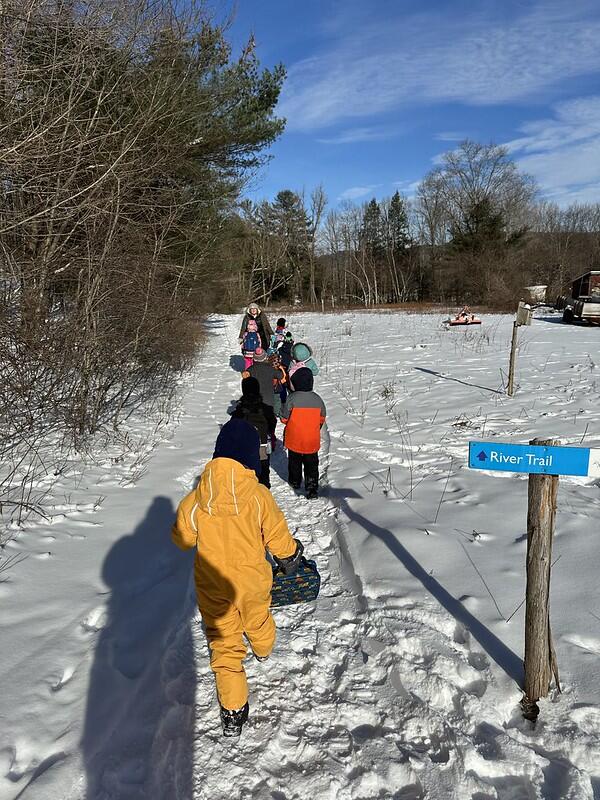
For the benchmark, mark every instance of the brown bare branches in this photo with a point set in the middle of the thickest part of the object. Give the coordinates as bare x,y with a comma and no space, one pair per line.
126,132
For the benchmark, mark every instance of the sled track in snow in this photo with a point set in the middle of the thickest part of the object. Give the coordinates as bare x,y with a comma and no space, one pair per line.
365,696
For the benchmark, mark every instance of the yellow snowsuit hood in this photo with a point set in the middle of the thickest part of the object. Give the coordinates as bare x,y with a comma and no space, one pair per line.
225,487
231,520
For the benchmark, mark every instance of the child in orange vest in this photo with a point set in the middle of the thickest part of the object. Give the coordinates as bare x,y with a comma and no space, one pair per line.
303,416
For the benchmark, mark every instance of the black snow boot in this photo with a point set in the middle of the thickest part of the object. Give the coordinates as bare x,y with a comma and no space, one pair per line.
232,721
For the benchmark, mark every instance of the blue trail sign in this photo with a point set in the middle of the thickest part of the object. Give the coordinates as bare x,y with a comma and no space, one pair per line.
529,458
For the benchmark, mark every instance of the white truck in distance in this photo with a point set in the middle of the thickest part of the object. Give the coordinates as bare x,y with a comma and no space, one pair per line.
584,302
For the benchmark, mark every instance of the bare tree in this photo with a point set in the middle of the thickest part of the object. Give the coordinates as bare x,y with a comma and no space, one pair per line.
318,203
126,132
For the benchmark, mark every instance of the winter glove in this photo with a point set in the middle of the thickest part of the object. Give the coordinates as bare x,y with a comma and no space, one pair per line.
273,442
290,564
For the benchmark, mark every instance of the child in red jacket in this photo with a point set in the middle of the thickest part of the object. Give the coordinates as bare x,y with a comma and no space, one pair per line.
303,416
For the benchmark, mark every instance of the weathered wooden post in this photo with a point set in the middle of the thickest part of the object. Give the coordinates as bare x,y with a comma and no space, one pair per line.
524,317
513,359
540,658
543,460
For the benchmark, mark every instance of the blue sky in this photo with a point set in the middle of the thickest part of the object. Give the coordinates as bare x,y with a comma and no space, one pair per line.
377,89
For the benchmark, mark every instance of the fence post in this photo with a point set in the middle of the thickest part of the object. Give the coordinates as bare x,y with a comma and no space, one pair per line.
513,360
540,658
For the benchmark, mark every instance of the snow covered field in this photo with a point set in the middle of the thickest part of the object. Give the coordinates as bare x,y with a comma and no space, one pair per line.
403,680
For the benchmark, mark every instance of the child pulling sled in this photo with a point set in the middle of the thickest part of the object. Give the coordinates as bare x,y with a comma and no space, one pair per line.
230,520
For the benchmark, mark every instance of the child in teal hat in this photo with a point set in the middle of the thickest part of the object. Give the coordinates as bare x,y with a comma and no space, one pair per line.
302,357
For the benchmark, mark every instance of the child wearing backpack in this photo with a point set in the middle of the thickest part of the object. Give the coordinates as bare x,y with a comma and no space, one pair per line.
250,407
231,521
279,384
250,343
303,416
301,357
277,337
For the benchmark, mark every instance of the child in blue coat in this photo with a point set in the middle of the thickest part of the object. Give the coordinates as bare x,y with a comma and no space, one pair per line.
250,343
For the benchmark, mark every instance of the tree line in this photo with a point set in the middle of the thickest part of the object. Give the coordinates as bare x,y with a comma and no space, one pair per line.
476,231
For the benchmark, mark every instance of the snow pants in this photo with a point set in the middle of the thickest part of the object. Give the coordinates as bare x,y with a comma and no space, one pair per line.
225,627
310,462
265,472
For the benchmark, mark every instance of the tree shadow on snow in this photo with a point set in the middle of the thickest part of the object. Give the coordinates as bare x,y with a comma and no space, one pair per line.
237,363
496,649
139,724
458,380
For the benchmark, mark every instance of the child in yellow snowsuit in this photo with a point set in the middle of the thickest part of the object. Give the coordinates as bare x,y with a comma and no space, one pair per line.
231,520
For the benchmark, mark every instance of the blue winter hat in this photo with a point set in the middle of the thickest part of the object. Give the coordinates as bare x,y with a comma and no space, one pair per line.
240,441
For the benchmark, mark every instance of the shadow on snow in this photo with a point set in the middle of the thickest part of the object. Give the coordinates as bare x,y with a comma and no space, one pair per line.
496,649
143,667
237,363
458,380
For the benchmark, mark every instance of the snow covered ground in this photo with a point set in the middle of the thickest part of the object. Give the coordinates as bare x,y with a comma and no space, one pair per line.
403,680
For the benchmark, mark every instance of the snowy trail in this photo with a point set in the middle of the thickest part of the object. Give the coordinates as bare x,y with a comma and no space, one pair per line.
391,686
370,694
87,693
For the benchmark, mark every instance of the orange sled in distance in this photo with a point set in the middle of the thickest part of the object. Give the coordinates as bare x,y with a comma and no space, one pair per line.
464,317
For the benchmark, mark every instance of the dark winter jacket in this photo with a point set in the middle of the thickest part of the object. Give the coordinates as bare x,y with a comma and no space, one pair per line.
251,408
264,328
303,415
284,352
265,374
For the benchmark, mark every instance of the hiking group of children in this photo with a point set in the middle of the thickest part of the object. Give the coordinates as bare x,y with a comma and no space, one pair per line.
240,534
278,384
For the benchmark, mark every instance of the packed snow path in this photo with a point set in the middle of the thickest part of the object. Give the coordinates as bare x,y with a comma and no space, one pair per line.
391,686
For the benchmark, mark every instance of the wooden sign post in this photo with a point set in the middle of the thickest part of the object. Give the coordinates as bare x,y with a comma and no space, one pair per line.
524,317
540,658
544,460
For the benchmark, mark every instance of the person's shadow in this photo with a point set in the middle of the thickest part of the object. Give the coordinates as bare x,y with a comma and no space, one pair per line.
139,724
237,363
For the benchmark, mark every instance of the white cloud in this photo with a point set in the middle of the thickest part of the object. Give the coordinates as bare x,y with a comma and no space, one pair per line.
450,136
355,192
563,152
354,135
428,58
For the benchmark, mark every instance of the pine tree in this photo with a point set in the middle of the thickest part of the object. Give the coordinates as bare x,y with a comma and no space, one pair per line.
372,236
481,228
398,232
290,222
